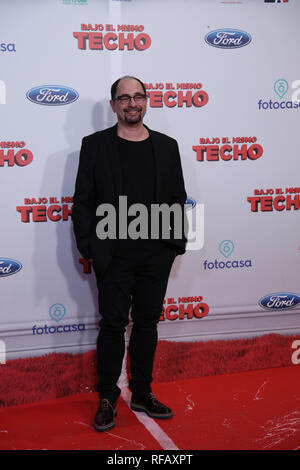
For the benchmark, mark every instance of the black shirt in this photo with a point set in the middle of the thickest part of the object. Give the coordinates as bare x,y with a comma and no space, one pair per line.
138,184
138,171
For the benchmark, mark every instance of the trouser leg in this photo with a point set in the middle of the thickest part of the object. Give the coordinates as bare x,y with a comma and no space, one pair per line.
151,279
114,303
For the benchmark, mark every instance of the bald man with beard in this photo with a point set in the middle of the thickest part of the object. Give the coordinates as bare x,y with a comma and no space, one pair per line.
131,160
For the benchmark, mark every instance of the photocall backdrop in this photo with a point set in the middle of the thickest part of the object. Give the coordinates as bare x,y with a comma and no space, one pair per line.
223,79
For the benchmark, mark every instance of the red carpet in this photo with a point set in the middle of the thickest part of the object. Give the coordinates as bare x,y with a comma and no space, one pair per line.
248,410
34,379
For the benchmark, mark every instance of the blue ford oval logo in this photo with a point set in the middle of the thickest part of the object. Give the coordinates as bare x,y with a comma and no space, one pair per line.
190,202
227,38
9,266
52,95
279,301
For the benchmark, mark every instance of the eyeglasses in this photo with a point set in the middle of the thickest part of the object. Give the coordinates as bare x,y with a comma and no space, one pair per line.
126,99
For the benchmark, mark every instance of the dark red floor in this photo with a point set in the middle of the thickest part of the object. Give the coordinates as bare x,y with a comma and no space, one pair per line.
249,410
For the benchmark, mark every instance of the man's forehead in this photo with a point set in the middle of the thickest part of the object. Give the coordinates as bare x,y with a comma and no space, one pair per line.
129,85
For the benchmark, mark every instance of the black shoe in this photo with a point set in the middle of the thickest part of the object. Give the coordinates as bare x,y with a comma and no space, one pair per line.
105,415
151,406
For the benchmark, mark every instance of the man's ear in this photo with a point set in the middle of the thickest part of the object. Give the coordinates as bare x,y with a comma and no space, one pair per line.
112,105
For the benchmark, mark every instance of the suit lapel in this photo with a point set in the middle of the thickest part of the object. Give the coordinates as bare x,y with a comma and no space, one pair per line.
158,160
112,150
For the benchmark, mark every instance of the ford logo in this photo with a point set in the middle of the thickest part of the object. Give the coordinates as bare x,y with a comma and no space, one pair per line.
52,95
279,301
190,202
227,38
9,266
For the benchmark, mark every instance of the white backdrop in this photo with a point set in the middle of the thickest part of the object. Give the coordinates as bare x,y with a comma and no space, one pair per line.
239,143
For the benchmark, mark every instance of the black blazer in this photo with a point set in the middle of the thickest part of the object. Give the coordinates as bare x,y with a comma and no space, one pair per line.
99,181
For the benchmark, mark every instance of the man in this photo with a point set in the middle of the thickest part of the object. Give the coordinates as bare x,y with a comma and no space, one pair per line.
131,160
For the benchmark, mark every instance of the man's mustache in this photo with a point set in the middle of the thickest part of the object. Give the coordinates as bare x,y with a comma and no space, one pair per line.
132,109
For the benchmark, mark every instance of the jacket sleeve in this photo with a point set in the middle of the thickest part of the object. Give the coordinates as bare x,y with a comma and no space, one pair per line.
179,196
83,212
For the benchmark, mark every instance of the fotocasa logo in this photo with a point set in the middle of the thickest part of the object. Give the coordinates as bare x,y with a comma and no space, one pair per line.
226,248
57,312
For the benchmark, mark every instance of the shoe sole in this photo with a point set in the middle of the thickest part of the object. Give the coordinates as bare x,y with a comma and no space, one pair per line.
106,427
152,415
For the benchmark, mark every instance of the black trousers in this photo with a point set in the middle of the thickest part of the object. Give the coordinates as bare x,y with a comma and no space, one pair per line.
136,279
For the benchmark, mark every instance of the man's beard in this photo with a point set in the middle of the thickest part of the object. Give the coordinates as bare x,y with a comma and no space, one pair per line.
133,119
